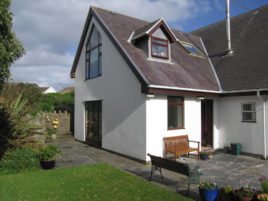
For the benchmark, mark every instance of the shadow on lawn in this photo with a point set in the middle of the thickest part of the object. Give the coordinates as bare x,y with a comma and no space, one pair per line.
179,186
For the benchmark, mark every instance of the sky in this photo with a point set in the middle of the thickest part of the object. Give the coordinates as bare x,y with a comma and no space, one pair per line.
50,30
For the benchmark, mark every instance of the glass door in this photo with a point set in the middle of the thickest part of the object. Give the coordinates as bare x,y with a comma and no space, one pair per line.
93,122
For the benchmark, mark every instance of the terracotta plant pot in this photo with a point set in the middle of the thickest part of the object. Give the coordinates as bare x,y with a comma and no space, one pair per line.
262,196
47,165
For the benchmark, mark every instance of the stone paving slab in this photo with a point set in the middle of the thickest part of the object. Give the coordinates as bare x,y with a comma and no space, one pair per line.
224,169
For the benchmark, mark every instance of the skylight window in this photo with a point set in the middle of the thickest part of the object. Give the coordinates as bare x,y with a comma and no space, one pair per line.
191,49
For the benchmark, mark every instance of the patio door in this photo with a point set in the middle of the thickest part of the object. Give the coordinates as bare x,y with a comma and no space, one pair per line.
93,122
207,122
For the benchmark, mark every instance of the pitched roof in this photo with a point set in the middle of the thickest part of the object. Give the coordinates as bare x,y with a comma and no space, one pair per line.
186,72
248,67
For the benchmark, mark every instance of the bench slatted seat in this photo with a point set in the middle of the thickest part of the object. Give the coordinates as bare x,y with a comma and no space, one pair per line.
182,168
179,145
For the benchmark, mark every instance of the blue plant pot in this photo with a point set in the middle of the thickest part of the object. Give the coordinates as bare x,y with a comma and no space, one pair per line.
209,194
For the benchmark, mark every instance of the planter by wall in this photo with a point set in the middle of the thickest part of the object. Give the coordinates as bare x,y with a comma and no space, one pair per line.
47,165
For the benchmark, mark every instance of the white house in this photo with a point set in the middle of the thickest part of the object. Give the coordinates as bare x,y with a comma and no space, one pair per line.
47,90
137,82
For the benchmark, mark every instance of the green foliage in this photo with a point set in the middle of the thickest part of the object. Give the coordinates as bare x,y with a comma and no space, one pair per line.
18,160
10,47
207,185
57,101
227,189
264,186
92,182
245,192
48,153
31,92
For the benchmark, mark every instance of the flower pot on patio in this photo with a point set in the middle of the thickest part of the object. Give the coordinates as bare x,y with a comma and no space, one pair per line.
244,194
47,165
208,191
262,197
204,155
226,194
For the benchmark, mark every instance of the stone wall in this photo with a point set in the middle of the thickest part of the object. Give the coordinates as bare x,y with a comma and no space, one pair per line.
64,118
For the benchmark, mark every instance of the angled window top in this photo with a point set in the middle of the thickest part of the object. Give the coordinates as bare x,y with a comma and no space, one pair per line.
191,49
150,28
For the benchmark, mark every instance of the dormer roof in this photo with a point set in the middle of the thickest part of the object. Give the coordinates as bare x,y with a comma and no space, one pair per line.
150,28
185,73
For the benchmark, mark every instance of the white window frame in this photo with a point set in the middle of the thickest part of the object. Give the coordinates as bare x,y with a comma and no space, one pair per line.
248,111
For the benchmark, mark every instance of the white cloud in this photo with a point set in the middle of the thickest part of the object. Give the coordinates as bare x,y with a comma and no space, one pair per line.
50,30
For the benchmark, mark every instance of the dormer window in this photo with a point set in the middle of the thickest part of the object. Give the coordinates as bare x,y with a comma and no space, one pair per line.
159,48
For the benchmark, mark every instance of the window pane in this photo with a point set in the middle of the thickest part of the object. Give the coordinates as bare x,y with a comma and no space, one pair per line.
94,39
192,49
100,64
249,107
249,116
175,112
94,63
158,50
161,42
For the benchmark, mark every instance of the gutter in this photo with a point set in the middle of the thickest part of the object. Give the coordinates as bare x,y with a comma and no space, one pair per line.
263,99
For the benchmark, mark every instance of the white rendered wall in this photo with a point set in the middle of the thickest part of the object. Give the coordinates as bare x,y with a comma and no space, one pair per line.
230,128
123,104
156,118
50,90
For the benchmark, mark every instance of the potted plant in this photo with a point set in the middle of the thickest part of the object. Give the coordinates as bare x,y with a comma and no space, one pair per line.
245,194
264,184
262,197
47,156
208,191
204,155
226,194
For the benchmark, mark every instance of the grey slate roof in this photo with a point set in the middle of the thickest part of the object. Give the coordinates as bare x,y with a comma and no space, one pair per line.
248,68
186,71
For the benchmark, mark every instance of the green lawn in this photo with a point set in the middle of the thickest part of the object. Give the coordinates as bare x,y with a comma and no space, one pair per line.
94,182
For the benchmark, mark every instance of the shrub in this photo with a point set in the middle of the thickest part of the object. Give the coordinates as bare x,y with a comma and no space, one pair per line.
48,153
264,186
18,160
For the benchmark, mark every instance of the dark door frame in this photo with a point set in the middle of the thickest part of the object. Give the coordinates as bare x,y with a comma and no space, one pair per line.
93,122
207,122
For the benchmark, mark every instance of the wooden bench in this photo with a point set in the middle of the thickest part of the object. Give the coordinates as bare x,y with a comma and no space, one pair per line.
179,145
182,168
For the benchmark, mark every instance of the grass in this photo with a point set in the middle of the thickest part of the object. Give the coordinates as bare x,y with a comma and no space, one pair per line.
93,182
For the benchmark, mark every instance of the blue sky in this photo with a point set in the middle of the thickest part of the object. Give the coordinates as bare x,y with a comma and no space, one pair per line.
50,30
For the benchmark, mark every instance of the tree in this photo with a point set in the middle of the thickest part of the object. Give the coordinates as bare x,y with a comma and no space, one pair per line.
10,47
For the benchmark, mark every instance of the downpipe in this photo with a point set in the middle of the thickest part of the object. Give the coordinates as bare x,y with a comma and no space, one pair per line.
263,99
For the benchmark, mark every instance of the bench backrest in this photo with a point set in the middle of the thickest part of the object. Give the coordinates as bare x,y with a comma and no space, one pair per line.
170,165
171,143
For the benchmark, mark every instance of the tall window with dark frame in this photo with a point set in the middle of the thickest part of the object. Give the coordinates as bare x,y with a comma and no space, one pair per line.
159,48
93,54
175,112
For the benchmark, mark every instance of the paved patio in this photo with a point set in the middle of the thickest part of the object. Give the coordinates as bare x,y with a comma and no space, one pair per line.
224,169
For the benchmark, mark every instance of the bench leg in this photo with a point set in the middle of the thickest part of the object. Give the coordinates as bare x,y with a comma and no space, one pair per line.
160,170
152,170
188,190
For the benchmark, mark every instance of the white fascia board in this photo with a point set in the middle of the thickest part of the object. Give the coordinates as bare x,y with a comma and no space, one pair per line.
161,19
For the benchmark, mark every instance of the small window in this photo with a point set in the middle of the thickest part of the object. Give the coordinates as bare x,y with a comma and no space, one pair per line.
159,48
190,48
93,54
175,113
248,112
